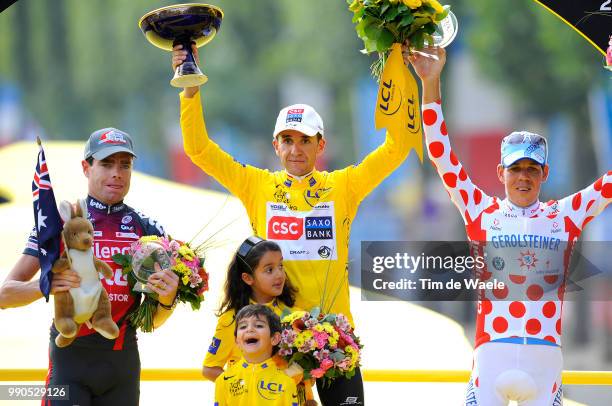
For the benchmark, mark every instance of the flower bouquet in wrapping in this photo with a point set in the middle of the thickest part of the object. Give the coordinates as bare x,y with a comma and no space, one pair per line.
323,345
381,23
139,263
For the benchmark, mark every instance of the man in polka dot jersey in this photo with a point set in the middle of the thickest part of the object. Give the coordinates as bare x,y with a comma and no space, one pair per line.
527,245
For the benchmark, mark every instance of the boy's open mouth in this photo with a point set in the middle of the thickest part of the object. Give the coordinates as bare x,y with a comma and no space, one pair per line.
251,340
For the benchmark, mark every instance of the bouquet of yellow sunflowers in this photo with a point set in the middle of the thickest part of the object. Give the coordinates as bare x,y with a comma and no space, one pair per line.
381,23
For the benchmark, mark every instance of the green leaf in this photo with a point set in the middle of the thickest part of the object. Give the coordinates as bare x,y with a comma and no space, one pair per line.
358,15
430,28
336,356
372,31
406,20
428,9
123,260
421,21
417,25
442,16
384,8
370,46
130,277
363,24
385,40
391,14
417,40
429,39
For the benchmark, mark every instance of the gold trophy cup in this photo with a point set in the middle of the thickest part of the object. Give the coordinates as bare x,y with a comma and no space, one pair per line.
184,24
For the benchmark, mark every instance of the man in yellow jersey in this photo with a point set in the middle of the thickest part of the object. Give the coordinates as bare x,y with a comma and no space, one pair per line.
306,211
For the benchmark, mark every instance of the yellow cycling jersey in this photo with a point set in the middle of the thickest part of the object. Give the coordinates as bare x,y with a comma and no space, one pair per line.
309,217
245,384
223,349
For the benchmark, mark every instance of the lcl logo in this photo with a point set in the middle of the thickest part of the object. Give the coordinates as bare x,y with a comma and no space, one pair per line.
414,122
390,102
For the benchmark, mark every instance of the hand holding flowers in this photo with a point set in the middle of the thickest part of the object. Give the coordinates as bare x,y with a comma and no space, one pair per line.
381,23
183,278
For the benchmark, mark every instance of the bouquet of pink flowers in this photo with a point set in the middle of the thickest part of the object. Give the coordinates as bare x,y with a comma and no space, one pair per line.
324,345
184,261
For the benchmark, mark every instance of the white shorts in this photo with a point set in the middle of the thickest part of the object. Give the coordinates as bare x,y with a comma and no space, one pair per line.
529,374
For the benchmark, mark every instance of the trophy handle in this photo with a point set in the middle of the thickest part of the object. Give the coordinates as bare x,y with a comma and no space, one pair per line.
188,74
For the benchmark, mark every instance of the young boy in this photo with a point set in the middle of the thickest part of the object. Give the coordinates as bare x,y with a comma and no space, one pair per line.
255,379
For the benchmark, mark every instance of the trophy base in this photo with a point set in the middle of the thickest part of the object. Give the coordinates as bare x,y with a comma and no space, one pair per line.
193,80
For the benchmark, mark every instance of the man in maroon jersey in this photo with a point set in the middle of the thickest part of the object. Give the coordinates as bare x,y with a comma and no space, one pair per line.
97,370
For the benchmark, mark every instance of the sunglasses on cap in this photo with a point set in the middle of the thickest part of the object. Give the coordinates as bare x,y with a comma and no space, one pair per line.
524,144
524,137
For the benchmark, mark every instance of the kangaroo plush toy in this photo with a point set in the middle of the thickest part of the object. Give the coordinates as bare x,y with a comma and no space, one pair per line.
89,302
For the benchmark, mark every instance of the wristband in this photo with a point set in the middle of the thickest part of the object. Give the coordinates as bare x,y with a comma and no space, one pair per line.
169,307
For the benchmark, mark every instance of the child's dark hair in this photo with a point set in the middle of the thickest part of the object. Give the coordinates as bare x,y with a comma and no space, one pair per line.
259,311
237,292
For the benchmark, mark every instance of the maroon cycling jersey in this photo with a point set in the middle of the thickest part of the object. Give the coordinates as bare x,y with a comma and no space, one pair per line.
116,227
527,248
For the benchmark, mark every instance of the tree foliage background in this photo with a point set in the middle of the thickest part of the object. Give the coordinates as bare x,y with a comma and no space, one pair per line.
83,65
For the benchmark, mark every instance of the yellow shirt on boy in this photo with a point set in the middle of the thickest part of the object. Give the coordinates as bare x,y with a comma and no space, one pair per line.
264,384
310,218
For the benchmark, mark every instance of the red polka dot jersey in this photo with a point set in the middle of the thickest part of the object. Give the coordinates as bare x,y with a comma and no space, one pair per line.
528,249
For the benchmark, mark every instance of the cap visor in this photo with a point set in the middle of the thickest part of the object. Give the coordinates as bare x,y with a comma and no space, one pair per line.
106,152
511,159
304,129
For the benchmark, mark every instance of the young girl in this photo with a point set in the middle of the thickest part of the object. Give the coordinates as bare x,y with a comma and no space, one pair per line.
256,275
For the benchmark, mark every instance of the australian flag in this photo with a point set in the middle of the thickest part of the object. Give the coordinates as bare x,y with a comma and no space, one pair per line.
47,222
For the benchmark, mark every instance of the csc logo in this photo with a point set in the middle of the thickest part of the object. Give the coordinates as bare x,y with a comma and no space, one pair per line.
285,228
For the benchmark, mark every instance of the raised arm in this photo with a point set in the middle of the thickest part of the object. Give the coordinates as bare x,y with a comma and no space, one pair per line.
468,198
202,150
376,166
585,205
